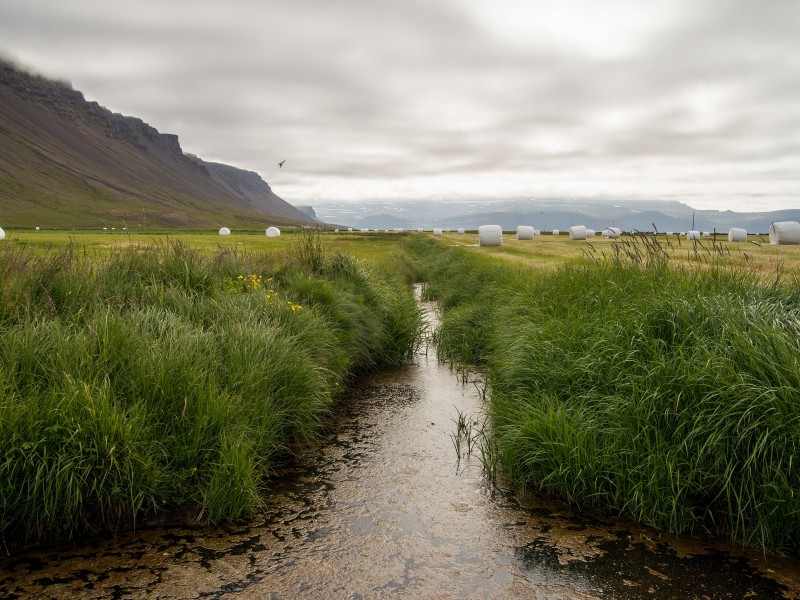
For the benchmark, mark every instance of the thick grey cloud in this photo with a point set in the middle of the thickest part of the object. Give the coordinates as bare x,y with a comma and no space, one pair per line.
455,98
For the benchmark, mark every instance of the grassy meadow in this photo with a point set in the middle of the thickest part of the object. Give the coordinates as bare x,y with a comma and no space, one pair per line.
635,378
151,374
147,373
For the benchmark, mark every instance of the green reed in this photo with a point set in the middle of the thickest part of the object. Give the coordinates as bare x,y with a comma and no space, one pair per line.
669,395
159,378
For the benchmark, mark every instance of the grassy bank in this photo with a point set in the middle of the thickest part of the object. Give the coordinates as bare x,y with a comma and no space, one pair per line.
154,377
671,395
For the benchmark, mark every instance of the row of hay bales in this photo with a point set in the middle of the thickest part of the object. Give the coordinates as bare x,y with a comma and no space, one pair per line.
782,232
785,232
271,231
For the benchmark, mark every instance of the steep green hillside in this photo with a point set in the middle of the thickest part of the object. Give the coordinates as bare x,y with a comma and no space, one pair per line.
66,162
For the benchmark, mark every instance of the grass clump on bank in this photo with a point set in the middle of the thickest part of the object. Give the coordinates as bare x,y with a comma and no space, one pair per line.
670,395
156,377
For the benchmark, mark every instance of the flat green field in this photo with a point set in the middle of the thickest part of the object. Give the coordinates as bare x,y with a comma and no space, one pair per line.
372,247
546,252
550,252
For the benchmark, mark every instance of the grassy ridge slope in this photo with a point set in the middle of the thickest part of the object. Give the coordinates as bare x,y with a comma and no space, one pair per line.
66,162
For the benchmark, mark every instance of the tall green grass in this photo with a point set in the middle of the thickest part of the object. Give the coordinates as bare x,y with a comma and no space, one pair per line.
670,395
157,377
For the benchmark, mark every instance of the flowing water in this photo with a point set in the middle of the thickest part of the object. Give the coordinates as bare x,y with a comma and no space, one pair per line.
383,509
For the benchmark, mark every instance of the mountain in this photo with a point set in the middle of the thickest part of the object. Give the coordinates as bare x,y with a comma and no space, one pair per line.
547,214
67,162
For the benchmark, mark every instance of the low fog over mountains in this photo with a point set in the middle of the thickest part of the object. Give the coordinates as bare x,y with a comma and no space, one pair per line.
545,214
67,162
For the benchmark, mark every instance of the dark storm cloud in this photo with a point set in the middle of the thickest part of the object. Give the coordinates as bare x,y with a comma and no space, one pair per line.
379,97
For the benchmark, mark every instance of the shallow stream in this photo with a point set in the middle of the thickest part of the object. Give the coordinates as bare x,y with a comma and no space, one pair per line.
383,509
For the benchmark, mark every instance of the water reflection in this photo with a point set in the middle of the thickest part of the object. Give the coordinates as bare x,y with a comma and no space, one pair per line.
382,509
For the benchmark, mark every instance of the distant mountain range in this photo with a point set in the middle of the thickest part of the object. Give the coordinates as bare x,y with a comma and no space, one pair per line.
67,162
547,214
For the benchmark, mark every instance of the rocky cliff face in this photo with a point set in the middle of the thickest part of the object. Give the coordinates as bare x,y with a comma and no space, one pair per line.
75,163
308,210
249,185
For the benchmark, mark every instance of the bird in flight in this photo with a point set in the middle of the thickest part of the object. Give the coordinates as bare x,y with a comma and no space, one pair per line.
280,164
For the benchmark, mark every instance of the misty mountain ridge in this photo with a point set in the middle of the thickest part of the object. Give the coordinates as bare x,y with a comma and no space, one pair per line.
69,162
547,214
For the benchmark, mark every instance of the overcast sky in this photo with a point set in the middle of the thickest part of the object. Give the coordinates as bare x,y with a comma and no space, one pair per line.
694,100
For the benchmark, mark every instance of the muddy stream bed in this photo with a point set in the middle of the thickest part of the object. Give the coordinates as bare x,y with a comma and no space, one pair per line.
383,509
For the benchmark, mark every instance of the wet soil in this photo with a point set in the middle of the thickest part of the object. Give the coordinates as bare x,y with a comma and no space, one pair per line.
383,509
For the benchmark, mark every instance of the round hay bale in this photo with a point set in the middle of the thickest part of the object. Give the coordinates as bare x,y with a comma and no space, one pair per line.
490,235
693,235
349,230
37,228
556,232
437,232
461,230
275,232
590,233
420,230
222,231
365,230
577,232
737,234
784,232
537,232
612,232
706,234
335,231
2,234
525,232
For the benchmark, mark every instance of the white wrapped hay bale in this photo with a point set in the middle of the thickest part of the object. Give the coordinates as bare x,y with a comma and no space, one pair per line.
737,234
693,235
2,234
349,230
669,233
437,232
365,230
222,231
537,232
706,234
446,230
525,232
335,231
590,233
490,235
420,230
461,230
577,232
556,232
275,232
612,232
784,232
